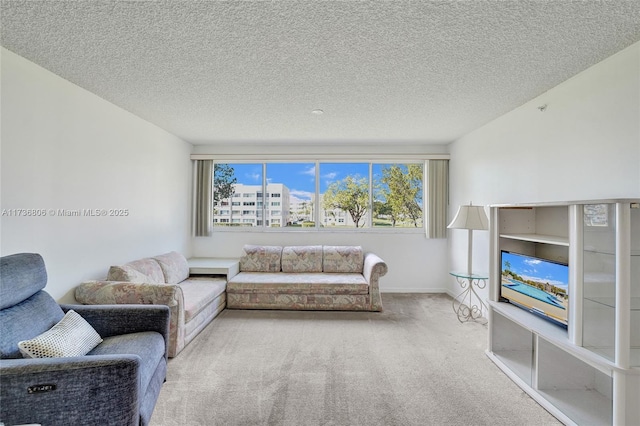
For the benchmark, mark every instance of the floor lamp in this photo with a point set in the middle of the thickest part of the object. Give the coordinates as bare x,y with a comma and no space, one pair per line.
471,218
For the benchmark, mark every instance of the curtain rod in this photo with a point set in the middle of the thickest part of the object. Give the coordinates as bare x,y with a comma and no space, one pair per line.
342,156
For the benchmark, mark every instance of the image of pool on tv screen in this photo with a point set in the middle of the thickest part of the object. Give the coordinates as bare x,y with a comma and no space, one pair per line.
538,285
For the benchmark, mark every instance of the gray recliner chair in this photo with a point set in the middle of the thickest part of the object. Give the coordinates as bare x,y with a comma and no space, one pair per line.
116,383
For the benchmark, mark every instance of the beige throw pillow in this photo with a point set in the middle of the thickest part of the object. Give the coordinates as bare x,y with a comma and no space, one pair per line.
127,274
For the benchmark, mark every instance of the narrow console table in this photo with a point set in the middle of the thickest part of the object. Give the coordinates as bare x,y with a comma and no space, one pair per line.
468,305
213,266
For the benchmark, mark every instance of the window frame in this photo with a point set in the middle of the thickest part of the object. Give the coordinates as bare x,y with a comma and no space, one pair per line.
370,159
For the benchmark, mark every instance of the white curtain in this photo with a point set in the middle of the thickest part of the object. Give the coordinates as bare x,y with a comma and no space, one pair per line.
204,198
437,196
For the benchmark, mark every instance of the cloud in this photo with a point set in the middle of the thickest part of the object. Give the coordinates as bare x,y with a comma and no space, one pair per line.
311,171
301,195
256,177
330,175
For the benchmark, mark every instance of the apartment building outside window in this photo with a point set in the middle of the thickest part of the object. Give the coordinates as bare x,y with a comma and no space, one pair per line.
252,211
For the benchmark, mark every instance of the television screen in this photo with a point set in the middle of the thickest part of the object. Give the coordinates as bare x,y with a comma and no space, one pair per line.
538,285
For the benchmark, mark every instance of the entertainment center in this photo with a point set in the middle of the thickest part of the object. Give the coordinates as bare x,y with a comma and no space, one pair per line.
584,369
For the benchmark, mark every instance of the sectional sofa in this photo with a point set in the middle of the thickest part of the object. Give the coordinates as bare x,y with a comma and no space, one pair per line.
161,280
307,277
270,277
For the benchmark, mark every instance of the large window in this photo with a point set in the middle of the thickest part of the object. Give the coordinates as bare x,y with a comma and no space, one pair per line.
345,194
319,195
397,195
291,188
231,184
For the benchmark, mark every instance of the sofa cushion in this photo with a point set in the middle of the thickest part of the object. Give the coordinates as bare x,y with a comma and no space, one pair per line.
126,274
174,267
342,259
302,259
260,258
198,292
26,320
148,267
298,283
148,345
23,275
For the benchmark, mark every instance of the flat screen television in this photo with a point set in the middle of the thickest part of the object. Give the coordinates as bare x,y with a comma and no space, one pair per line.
538,285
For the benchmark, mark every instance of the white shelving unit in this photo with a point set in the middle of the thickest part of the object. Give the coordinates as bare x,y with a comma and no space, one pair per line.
588,373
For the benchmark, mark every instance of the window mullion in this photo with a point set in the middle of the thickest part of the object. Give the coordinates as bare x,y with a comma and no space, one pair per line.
264,195
370,212
316,203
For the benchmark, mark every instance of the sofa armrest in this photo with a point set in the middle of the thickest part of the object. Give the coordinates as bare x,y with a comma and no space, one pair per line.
374,268
114,320
100,389
119,292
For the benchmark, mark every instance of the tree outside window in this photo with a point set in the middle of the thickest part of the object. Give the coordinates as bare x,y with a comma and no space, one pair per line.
398,192
350,195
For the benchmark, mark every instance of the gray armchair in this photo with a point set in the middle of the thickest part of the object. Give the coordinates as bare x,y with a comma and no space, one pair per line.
116,383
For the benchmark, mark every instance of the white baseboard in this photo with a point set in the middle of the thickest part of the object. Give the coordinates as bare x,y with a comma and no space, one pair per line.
451,293
414,290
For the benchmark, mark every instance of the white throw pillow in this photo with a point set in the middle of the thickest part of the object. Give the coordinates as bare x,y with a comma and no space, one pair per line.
72,336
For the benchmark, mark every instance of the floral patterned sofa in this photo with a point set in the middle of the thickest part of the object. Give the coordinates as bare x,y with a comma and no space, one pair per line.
307,278
161,280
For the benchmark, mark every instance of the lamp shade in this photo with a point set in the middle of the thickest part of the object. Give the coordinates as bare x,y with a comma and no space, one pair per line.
470,217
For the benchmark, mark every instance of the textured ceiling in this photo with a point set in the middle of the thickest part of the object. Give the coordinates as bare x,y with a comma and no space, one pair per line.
393,71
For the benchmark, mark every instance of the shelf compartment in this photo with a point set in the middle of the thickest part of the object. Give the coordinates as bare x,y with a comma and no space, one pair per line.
551,332
548,225
530,322
582,392
598,333
581,406
553,252
513,346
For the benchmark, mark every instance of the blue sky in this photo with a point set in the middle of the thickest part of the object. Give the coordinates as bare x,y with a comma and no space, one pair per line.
299,177
538,270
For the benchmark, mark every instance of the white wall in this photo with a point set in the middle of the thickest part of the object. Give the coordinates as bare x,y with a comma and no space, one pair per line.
65,148
585,145
416,264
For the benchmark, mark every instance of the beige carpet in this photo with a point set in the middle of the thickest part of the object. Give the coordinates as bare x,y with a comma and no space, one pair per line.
413,364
